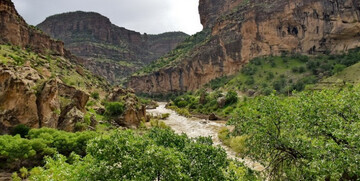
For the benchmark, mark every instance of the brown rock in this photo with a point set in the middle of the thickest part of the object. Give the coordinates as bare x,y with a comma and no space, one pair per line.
80,70
14,30
78,97
213,117
17,98
48,105
25,99
68,121
221,102
100,110
258,28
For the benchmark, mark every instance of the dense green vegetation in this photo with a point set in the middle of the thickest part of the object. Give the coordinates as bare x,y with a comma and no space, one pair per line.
178,53
16,152
309,136
285,73
262,76
155,154
51,66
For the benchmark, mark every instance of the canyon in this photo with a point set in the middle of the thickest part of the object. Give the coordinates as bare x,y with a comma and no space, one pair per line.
108,50
242,30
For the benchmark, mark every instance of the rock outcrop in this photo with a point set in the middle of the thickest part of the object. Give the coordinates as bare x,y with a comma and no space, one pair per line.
242,30
110,51
26,98
134,111
14,30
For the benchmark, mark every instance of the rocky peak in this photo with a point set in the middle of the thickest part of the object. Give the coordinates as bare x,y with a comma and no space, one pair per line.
110,51
210,10
14,30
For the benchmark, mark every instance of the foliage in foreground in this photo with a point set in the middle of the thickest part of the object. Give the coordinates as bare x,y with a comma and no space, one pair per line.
159,154
16,152
310,136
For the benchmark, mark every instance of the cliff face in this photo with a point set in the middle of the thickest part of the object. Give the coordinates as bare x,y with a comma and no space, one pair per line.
42,84
243,30
14,30
94,38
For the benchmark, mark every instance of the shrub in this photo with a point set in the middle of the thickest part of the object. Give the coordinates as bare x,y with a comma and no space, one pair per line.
231,97
238,144
20,129
224,135
182,104
165,116
114,108
250,81
338,68
95,95
270,76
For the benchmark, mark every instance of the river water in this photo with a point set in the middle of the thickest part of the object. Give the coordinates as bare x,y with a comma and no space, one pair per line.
195,127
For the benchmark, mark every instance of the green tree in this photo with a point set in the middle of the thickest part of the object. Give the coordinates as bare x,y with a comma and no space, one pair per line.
311,136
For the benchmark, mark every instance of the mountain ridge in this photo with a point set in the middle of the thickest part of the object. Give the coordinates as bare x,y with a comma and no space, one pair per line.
250,29
110,51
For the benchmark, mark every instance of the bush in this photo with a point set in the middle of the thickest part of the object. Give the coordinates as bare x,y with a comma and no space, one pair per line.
238,144
231,97
165,116
224,135
182,104
250,81
338,68
20,129
95,95
114,108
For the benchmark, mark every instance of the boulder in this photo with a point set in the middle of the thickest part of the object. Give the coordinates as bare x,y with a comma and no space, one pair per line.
68,121
48,104
221,101
213,117
17,98
152,105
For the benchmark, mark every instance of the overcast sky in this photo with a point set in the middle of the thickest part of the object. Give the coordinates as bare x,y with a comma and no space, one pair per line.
145,16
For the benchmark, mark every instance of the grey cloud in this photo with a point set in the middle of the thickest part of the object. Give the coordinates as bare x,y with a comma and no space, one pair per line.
150,16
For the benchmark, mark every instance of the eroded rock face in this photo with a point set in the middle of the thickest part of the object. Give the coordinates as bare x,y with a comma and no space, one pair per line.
14,30
27,98
134,112
103,45
243,30
48,104
17,98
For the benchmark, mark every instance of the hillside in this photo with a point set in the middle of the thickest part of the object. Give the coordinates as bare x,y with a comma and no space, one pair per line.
43,85
109,51
235,32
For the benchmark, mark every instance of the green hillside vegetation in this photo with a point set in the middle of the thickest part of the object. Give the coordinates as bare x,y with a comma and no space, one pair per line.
155,154
262,76
173,58
55,66
347,75
286,74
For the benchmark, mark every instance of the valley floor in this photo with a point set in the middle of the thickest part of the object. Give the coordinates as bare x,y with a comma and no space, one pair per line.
195,127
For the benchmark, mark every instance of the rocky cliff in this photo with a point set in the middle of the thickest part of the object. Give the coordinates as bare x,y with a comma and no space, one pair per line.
111,51
42,84
244,29
14,30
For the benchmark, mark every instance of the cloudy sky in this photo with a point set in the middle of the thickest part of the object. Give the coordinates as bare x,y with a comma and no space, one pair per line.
149,16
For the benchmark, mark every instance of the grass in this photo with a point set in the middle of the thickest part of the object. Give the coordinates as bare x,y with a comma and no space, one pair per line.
350,74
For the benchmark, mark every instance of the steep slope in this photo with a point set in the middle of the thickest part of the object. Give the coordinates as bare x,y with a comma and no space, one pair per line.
112,52
42,85
243,30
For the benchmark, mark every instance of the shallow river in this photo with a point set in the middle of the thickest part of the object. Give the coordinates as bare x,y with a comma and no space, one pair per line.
195,127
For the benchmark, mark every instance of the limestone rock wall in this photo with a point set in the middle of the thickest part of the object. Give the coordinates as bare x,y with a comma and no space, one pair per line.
257,28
